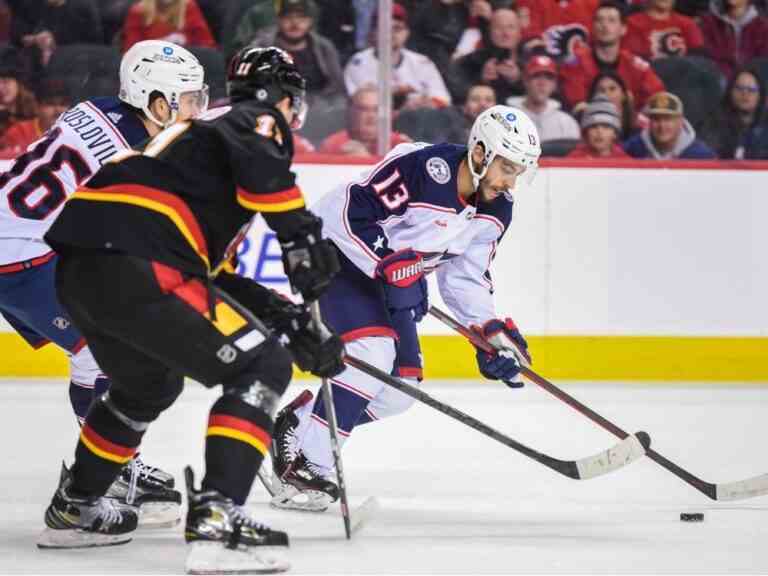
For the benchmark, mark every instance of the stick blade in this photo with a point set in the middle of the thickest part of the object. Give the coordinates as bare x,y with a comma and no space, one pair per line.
625,452
743,489
363,513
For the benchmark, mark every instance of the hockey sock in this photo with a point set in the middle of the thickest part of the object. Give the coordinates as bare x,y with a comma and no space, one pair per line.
108,440
81,396
237,439
350,403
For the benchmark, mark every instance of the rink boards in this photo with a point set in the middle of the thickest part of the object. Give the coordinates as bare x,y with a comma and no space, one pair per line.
628,272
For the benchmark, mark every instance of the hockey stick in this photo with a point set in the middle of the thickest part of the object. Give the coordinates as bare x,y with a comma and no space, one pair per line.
740,490
333,430
623,453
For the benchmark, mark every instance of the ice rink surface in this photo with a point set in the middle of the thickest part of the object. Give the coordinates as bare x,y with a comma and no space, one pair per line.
452,501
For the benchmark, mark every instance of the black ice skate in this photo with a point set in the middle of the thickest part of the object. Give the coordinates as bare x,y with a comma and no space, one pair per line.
222,539
151,490
297,483
77,522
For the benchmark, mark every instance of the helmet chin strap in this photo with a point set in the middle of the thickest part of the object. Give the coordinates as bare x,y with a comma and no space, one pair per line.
154,120
476,176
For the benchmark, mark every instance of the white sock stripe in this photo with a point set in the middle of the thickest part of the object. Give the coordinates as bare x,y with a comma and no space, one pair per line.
352,389
371,415
319,420
82,385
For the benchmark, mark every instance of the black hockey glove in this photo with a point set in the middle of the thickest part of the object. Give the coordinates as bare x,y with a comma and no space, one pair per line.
310,261
315,350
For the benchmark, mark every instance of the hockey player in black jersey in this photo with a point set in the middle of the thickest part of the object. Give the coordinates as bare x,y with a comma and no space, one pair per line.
145,272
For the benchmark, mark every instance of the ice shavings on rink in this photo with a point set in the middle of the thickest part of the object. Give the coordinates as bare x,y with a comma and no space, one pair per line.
451,500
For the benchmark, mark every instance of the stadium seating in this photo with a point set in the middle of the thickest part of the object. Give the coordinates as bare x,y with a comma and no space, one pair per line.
215,70
558,148
91,70
696,80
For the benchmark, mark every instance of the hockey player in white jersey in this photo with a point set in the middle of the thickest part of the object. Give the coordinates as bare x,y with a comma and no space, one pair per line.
160,83
424,208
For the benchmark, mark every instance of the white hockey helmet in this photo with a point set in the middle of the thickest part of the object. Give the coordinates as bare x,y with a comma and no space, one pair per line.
158,66
507,132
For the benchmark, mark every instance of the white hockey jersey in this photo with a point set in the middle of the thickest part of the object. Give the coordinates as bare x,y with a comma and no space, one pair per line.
414,70
410,200
33,190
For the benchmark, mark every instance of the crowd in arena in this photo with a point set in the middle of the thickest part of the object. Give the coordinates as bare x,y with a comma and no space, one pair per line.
657,79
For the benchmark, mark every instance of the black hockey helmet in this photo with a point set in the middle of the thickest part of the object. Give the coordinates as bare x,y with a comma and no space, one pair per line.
267,75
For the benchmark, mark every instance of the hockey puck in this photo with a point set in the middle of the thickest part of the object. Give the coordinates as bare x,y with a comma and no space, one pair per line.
692,517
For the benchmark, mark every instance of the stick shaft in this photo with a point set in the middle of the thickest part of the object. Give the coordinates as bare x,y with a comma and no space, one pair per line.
707,488
333,431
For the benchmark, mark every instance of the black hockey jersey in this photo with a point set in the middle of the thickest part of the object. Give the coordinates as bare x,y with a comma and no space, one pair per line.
188,197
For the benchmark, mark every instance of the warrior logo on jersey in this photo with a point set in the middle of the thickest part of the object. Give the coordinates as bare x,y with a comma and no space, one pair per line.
668,42
439,170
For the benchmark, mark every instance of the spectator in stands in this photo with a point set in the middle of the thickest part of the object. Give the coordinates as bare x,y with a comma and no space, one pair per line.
451,124
438,25
417,83
734,33
669,135
600,130
41,25
557,26
660,32
605,53
477,27
612,86
177,21
540,79
730,130
345,23
53,99
315,56
259,17
17,102
360,136
497,63
480,97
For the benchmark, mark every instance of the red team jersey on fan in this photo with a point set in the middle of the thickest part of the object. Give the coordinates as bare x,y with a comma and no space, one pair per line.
561,24
651,38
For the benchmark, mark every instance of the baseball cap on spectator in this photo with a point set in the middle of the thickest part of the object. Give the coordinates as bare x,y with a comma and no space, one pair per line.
664,104
540,65
305,7
399,13
600,110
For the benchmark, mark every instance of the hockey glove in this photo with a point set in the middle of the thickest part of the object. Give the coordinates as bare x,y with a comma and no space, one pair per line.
405,287
310,261
511,355
315,349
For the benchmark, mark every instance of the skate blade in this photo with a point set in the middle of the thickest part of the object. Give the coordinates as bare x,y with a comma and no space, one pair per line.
216,558
153,515
308,501
265,474
73,538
